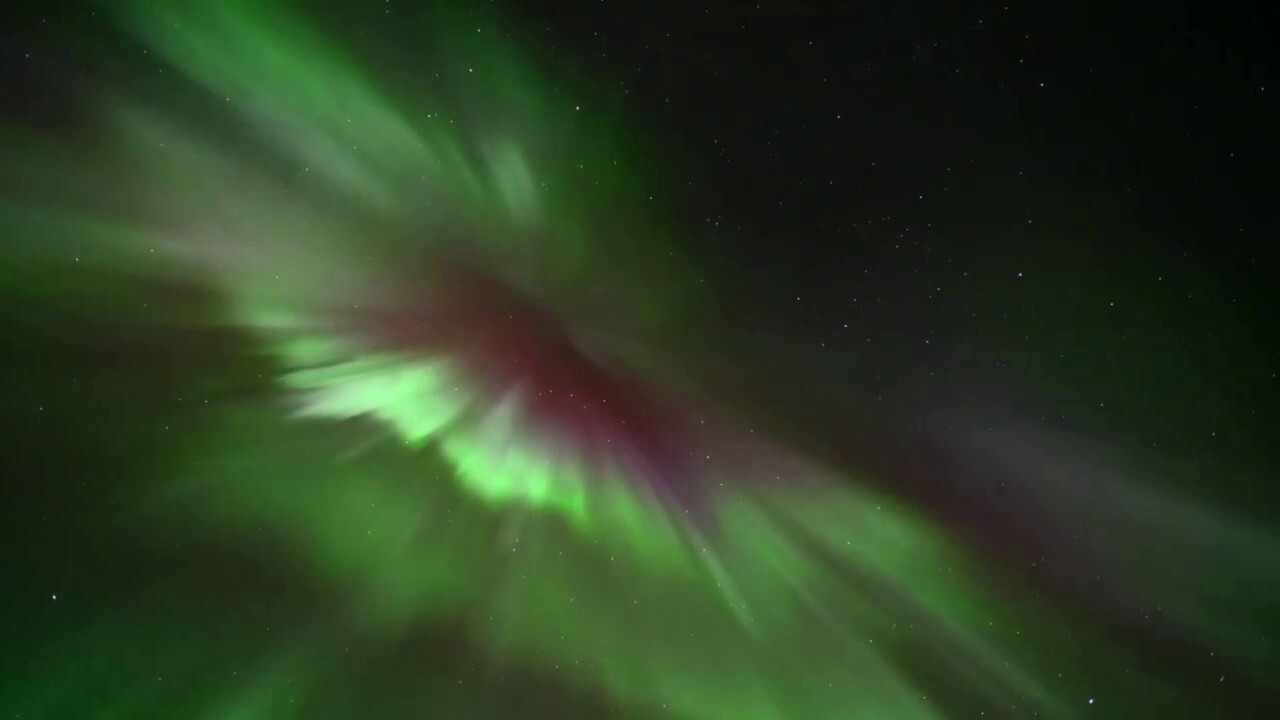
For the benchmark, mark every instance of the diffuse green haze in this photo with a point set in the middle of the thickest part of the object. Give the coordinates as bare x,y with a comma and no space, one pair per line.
407,487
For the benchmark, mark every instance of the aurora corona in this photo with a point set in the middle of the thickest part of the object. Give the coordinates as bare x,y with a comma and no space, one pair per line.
490,403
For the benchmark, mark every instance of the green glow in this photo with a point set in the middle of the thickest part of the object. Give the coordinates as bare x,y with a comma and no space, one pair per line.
401,488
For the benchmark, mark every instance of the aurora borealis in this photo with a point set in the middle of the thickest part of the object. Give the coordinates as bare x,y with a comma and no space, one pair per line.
374,372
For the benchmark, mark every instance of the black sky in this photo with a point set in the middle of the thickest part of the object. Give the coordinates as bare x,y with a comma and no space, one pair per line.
1076,195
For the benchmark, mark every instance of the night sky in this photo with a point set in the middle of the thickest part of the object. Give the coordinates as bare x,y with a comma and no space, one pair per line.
680,361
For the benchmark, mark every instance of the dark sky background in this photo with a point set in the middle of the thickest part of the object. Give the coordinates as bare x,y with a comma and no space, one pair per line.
1077,194
924,219
1068,203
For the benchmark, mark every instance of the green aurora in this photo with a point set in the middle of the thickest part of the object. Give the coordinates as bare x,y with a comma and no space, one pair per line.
305,196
